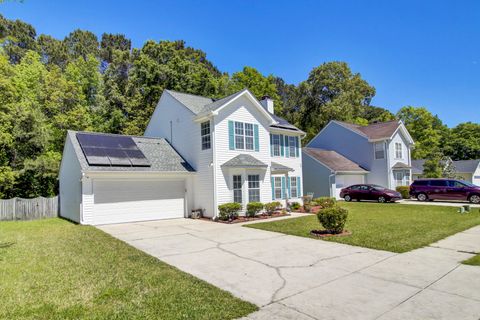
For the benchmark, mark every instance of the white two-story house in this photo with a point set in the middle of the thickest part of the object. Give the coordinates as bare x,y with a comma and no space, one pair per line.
196,153
343,154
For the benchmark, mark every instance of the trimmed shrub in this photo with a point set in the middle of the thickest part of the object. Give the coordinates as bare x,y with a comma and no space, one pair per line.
404,191
333,219
253,208
229,211
271,207
325,202
295,205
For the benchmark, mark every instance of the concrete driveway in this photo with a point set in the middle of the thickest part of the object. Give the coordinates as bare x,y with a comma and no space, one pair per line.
298,278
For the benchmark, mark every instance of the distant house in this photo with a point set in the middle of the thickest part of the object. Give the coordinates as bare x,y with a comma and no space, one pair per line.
196,153
468,170
342,154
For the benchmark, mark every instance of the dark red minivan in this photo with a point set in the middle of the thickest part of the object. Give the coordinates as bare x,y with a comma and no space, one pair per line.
445,189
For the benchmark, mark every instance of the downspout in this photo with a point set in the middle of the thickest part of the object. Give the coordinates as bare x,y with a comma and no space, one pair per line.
389,169
214,165
286,192
332,192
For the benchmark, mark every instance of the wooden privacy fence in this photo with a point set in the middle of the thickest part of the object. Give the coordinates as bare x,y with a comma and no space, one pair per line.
28,209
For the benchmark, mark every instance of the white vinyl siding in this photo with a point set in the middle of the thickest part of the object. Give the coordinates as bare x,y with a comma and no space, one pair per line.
379,150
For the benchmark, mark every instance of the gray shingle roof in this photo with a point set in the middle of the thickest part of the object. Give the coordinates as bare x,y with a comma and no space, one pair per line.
279,167
160,154
244,161
401,165
199,104
461,166
380,130
334,160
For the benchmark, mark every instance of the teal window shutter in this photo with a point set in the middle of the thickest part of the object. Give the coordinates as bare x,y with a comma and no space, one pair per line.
288,187
283,187
287,149
299,187
297,147
255,133
231,138
271,145
273,187
281,144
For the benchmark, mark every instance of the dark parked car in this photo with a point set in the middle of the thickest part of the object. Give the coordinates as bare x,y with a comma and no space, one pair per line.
445,189
369,192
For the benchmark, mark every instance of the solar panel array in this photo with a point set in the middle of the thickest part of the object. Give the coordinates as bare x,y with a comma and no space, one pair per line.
114,151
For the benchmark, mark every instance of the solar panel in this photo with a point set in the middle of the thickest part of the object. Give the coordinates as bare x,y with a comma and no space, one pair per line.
106,150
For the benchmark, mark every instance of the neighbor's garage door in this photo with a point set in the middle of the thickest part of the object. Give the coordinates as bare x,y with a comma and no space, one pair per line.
117,201
346,180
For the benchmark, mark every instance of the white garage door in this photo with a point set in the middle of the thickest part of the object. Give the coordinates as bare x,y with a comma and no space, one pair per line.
346,180
117,201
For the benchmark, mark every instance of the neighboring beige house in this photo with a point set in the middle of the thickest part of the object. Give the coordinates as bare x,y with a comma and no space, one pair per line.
196,153
468,170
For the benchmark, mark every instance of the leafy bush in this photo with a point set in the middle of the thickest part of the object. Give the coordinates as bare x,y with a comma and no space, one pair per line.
272,206
295,205
229,211
333,219
404,191
307,199
325,202
253,208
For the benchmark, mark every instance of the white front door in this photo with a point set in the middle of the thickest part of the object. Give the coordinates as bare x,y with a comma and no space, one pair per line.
118,201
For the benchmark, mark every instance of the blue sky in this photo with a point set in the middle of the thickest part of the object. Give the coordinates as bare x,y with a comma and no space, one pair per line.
421,53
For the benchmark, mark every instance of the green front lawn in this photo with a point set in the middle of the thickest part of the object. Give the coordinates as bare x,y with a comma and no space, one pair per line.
389,226
53,269
474,261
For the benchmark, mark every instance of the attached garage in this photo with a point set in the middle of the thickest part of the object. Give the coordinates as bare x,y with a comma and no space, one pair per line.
345,180
122,180
117,201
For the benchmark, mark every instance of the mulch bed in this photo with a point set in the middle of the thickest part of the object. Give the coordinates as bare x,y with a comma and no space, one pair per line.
246,219
327,233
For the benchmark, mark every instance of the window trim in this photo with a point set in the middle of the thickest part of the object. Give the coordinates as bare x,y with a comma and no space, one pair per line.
237,189
375,150
274,146
292,145
243,135
398,151
203,137
293,187
279,187
257,180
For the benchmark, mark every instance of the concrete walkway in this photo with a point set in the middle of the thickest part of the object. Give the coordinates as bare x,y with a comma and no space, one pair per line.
299,278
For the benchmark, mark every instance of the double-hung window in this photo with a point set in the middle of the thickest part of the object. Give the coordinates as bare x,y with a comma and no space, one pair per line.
244,136
292,146
277,185
276,145
293,187
205,134
253,188
398,150
239,136
237,188
379,150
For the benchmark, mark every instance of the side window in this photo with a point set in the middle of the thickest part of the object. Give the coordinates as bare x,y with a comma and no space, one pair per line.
239,135
455,184
278,187
398,150
438,183
354,188
205,134
379,150
276,145
292,146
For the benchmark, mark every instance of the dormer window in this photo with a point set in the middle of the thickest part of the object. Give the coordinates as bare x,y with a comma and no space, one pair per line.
205,134
379,150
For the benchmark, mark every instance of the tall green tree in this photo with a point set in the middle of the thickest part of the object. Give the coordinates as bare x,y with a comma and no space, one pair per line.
463,141
81,44
426,129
